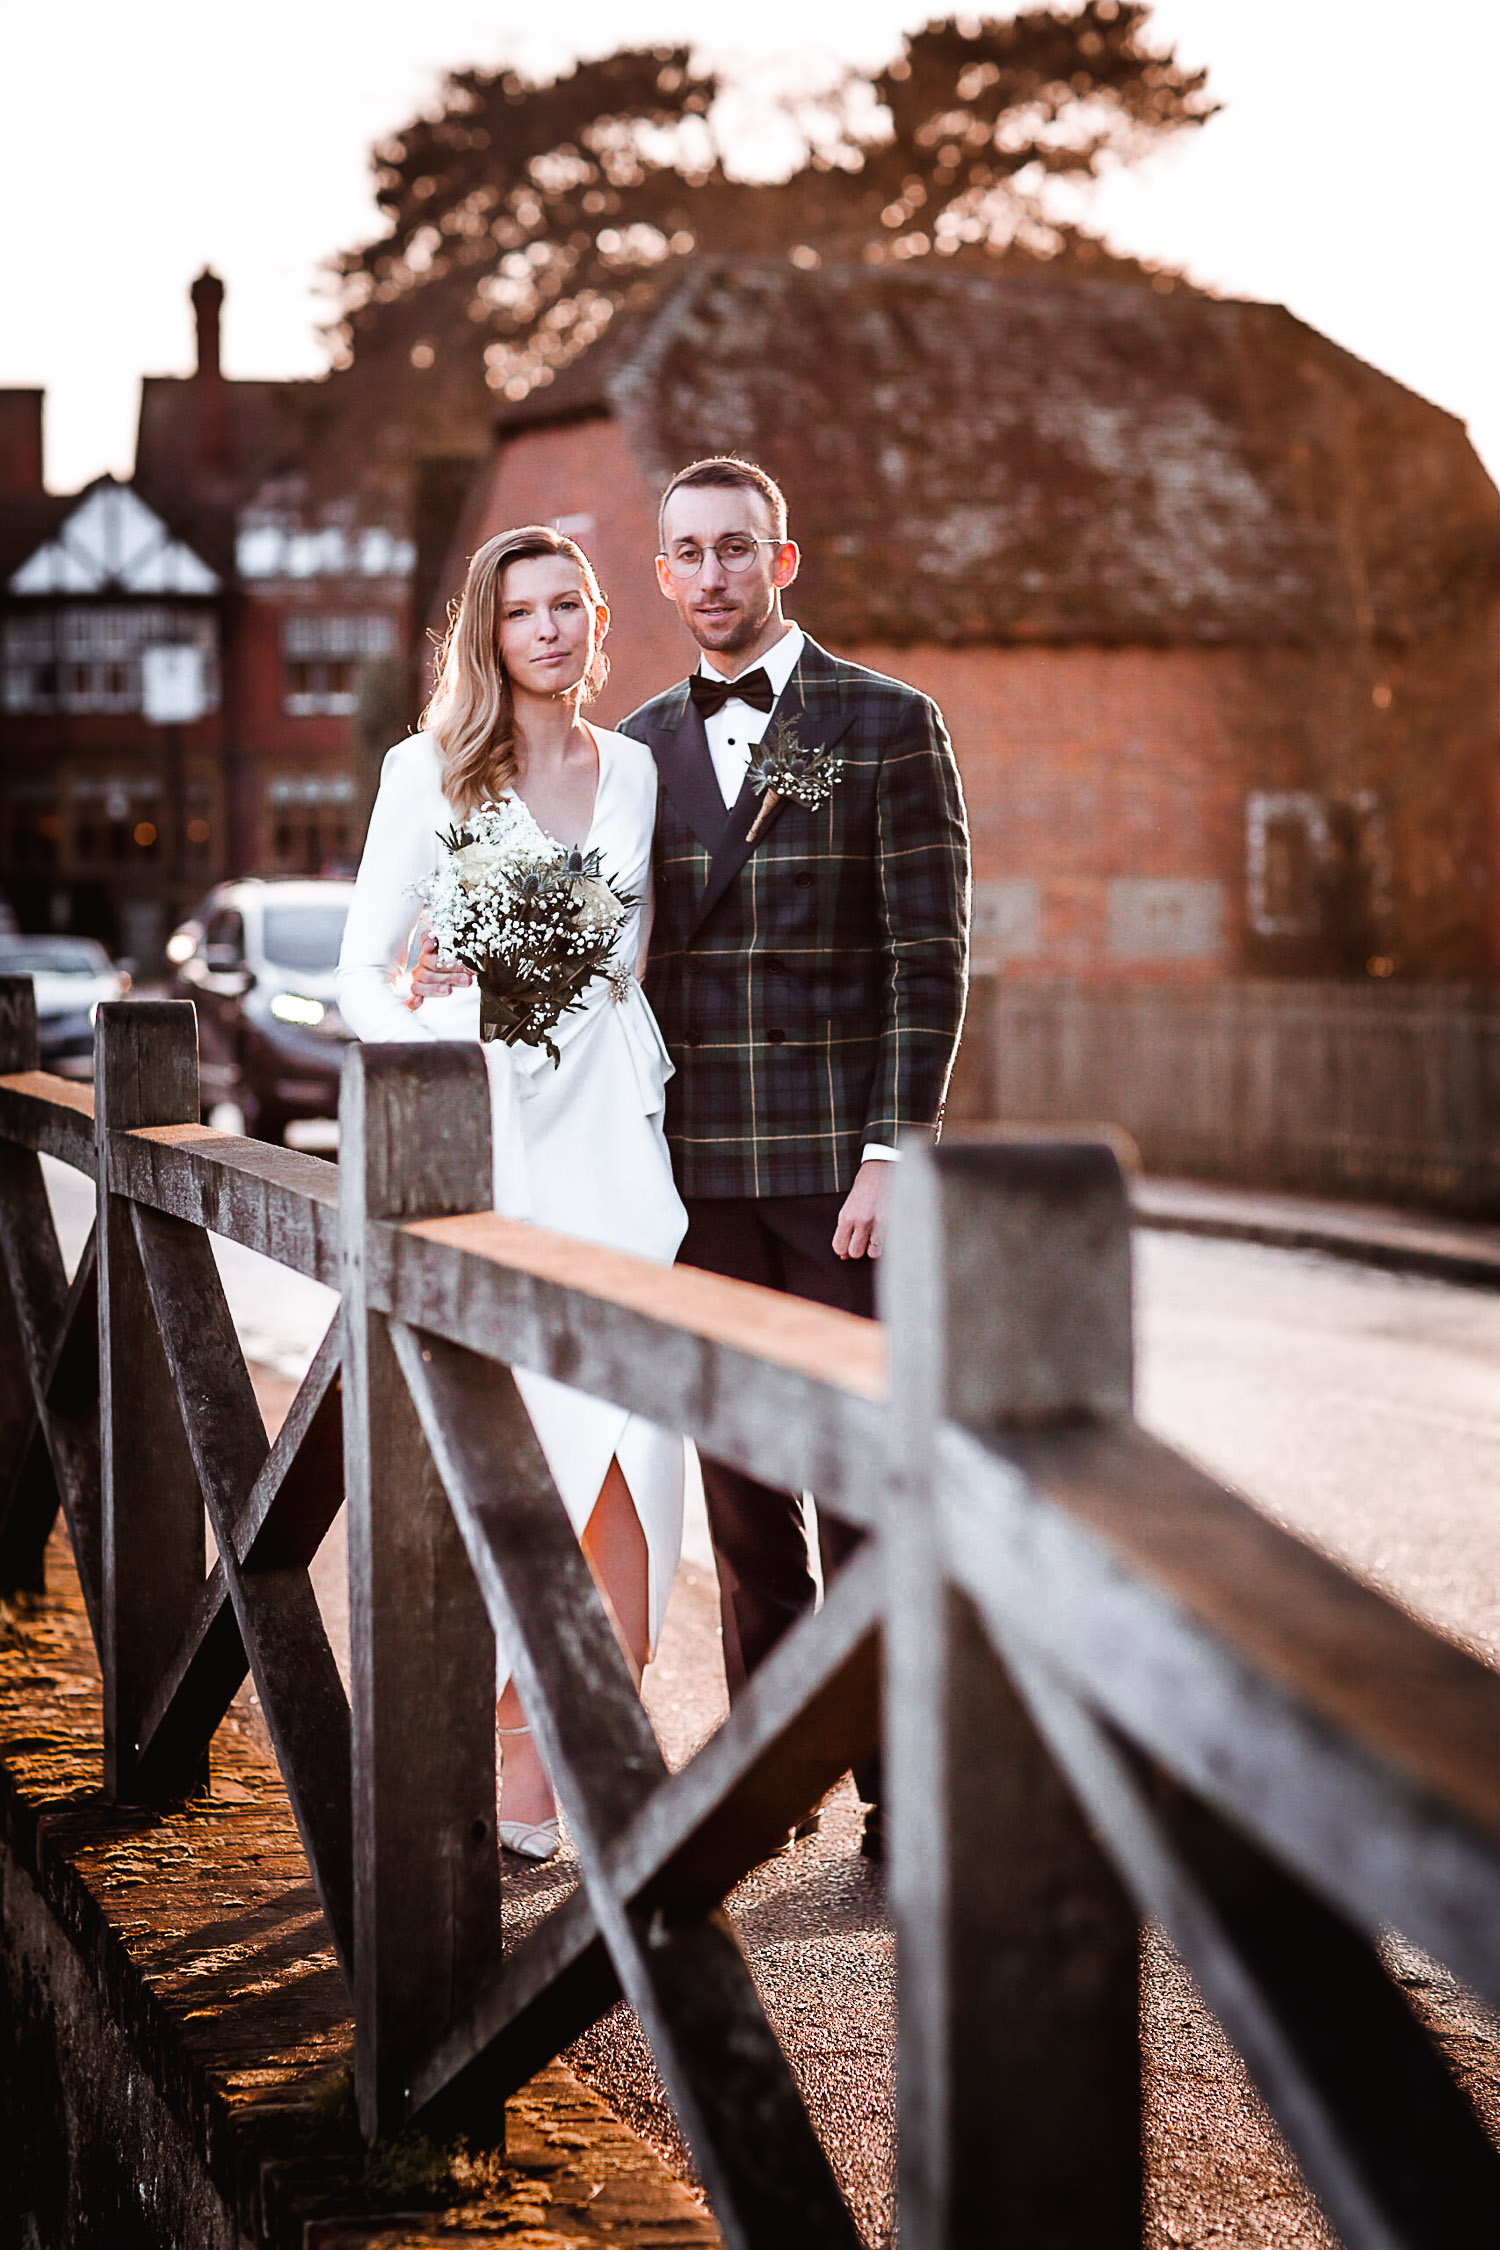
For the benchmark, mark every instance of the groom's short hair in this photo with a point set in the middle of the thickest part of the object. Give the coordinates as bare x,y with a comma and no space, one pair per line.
728,469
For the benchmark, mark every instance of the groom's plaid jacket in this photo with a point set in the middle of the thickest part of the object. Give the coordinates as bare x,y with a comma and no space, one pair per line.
810,988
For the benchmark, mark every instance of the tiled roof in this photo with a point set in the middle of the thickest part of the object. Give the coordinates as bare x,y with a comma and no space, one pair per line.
265,434
971,456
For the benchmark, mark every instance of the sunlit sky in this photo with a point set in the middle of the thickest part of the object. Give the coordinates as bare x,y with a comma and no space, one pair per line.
1350,177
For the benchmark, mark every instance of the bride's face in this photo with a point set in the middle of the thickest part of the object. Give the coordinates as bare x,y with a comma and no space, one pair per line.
548,627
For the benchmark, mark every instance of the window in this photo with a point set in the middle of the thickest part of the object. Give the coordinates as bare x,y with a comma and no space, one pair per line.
30,826
321,656
225,930
309,822
115,821
1286,844
79,658
304,936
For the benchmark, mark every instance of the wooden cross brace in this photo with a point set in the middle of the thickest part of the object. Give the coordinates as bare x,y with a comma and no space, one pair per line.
49,1367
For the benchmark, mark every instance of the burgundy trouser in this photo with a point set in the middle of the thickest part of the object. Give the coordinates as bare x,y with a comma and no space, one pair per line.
760,1543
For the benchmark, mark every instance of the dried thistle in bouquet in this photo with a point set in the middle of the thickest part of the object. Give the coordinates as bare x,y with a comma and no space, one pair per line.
535,923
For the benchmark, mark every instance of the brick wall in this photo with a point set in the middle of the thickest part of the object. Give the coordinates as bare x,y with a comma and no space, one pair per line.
580,476
1162,813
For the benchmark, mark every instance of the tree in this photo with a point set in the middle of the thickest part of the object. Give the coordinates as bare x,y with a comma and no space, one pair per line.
522,217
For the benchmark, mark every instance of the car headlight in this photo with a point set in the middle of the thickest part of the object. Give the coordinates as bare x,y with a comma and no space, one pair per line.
292,1007
181,946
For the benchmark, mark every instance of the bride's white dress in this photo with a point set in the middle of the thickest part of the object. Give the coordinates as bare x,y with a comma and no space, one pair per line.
578,1149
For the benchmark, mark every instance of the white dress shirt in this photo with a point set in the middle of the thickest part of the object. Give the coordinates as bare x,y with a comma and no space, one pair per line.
736,729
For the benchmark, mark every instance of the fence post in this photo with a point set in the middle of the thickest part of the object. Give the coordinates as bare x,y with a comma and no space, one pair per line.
24,1472
414,1143
154,1560
1007,1290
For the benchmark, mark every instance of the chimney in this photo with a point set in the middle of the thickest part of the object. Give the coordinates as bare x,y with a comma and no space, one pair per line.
211,390
21,445
208,302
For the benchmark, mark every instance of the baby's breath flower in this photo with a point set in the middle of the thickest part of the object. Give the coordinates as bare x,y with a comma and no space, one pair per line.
535,923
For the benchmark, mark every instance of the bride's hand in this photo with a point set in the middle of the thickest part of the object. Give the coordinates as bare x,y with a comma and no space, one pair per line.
432,979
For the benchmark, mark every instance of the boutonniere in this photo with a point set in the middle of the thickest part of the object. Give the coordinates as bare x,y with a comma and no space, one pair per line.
784,767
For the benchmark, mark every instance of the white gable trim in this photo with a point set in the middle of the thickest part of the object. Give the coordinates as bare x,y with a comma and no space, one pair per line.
113,543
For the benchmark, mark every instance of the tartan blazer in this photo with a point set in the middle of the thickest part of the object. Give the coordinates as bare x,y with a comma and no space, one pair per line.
810,988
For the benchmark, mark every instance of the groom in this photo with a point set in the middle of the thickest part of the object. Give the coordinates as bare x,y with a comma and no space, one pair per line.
808,967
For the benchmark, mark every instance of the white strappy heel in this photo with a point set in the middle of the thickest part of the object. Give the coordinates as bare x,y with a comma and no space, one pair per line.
528,1839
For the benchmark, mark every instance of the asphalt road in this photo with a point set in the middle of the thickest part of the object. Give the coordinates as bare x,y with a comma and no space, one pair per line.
1359,1407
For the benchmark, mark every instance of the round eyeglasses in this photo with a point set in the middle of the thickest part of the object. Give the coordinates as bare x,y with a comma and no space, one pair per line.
734,553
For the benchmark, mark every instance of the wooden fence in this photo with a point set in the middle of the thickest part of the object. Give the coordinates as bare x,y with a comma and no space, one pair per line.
1111,1689
1391,1091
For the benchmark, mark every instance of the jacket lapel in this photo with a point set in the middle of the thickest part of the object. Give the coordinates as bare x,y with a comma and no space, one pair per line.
810,705
680,749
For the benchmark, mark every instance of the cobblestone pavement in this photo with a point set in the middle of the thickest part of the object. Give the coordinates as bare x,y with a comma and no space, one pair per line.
1361,1408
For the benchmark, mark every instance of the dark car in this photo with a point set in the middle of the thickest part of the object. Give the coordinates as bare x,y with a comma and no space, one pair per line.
258,960
70,975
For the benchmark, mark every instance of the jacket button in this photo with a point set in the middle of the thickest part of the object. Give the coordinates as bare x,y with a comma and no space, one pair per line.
803,878
690,1039
775,964
776,1037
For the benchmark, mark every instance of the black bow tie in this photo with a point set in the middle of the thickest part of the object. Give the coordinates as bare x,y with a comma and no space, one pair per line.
710,693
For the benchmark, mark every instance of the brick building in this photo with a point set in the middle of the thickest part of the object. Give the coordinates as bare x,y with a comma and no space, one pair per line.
281,607
1210,604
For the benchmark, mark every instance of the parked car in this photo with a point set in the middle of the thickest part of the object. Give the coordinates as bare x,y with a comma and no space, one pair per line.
258,960
71,976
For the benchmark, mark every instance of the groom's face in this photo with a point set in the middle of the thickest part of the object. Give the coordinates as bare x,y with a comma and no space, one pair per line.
724,610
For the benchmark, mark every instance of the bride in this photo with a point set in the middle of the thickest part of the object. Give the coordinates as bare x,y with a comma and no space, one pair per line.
578,1148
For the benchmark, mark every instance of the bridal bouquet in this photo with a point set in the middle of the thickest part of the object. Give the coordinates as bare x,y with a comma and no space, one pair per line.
535,923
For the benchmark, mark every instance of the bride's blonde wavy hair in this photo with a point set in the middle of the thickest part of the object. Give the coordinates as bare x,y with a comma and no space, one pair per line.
471,714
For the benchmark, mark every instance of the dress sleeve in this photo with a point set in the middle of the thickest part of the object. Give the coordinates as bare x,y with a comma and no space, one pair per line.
397,854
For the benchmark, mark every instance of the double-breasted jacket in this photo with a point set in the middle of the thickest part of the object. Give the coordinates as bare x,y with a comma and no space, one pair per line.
810,987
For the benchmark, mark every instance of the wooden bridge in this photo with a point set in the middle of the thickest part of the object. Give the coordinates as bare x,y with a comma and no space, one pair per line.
1112,1690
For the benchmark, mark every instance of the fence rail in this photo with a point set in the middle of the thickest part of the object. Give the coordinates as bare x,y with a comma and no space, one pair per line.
1110,1688
1343,1089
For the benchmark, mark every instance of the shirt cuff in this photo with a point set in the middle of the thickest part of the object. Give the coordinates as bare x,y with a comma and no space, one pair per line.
873,1152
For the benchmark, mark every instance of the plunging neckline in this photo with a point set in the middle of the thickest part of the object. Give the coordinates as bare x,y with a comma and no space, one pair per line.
588,834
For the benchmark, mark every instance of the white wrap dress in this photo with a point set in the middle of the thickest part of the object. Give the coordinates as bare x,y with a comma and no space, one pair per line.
578,1149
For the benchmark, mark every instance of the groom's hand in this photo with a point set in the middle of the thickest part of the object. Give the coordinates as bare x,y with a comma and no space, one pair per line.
861,1228
430,979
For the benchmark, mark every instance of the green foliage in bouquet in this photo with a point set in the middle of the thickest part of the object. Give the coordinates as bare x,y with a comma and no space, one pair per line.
536,924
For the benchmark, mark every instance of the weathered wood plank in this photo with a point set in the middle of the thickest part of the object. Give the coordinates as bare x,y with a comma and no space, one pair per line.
59,1454
153,1548
809,1713
53,1116
71,1402
28,1488
28,1256
1343,1650
1385,2138
414,1139
301,1695
522,2013
1007,1284
279,1201
766,2175
282,1524
786,1389
20,1042
1381,1845
1396,2132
